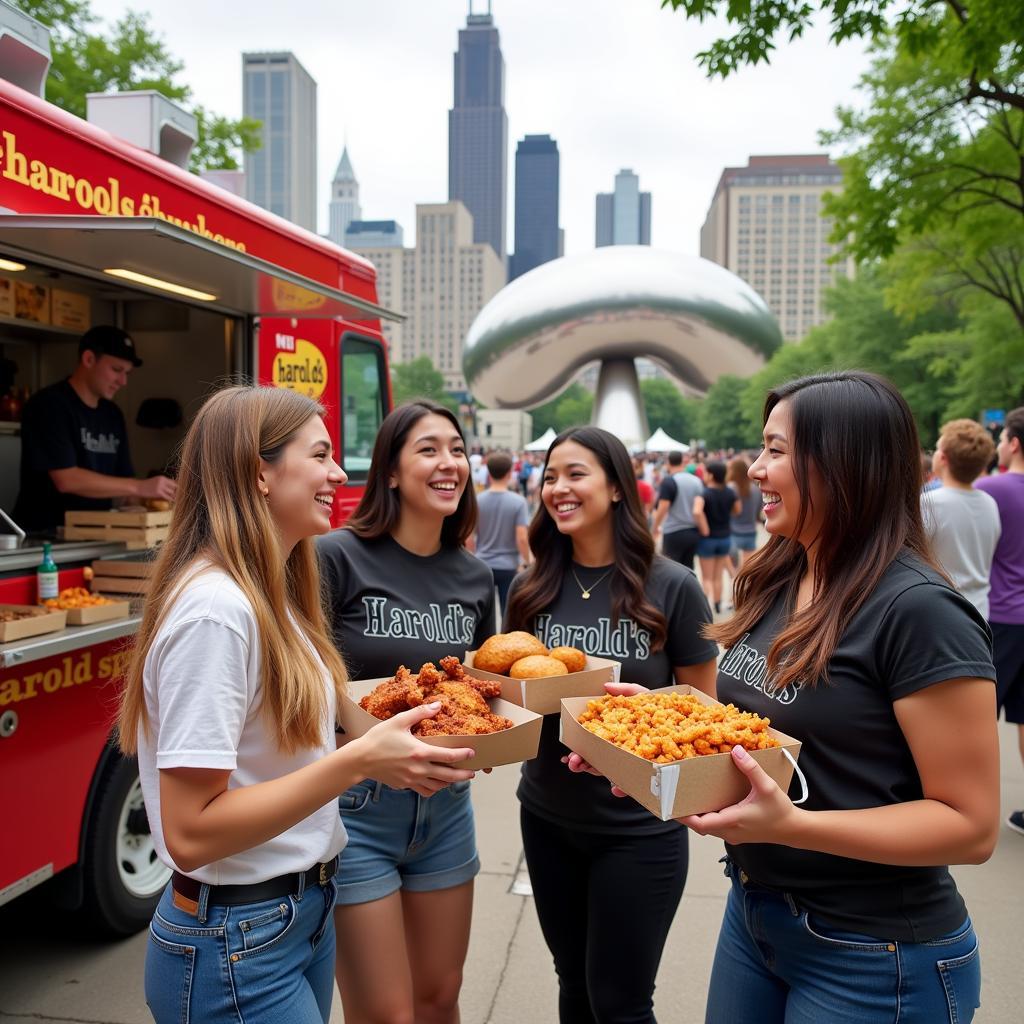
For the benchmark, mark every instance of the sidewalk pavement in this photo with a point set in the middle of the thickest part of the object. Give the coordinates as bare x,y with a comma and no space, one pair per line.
47,975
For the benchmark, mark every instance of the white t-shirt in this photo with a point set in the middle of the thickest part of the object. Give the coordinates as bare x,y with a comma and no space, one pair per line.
964,529
202,688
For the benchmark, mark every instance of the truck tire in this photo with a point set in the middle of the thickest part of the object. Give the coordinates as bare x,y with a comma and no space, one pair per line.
121,873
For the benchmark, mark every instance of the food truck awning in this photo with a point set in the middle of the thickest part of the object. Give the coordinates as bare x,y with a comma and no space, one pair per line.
154,256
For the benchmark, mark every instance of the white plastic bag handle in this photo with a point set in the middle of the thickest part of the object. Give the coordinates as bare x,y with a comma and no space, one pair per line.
804,794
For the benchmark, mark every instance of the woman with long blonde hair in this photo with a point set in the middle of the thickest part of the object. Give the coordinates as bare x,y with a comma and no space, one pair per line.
230,704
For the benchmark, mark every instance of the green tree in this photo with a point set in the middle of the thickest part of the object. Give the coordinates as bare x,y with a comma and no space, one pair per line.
943,184
667,408
571,408
419,378
130,55
722,422
983,40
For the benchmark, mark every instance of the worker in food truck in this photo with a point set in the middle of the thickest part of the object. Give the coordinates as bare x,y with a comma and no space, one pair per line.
74,445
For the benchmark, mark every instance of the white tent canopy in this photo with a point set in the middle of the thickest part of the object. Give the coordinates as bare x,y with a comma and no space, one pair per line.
659,441
543,443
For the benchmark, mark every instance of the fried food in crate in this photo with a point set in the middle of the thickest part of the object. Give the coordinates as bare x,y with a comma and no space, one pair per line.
536,666
666,727
76,597
464,708
572,657
498,653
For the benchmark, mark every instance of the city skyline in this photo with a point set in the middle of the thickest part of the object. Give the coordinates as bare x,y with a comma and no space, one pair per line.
538,237
384,74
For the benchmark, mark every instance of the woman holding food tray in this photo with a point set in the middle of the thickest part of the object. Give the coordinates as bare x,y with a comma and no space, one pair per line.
607,876
403,590
230,702
849,637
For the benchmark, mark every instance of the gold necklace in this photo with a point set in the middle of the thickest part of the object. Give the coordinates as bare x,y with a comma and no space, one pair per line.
585,591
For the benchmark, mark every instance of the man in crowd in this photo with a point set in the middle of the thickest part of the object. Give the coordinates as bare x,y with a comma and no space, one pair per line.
501,540
963,522
1006,597
74,444
675,511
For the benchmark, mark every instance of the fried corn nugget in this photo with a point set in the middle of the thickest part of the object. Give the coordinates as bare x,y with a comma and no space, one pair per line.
666,727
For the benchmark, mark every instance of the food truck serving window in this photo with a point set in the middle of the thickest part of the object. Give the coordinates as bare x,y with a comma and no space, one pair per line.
363,400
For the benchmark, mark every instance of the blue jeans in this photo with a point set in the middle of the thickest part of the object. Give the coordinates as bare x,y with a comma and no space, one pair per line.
260,963
775,963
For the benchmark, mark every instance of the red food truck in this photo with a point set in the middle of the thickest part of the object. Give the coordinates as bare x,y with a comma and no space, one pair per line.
94,230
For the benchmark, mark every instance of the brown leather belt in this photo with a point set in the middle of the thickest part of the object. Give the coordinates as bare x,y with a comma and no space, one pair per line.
255,892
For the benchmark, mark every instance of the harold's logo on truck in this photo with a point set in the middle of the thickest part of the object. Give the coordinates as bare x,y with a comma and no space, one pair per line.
106,199
54,675
302,369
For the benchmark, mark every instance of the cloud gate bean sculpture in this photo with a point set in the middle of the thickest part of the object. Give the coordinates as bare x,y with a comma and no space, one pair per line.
695,318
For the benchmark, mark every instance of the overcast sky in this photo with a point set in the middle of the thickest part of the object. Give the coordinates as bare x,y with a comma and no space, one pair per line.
615,82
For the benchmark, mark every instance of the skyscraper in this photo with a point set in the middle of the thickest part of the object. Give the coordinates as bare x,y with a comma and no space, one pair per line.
537,233
478,131
281,175
440,285
765,225
344,206
623,217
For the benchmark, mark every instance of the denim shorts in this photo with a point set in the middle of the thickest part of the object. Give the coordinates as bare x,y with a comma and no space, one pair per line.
744,541
258,963
778,963
400,840
713,547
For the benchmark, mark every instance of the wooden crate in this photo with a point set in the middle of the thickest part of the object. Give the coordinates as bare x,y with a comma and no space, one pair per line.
138,530
116,576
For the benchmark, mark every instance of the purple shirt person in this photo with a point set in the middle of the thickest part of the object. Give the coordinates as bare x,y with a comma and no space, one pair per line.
1006,596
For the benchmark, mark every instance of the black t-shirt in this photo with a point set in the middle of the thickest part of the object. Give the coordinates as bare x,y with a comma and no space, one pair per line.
718,503
581,801
59,431
913,631
390,607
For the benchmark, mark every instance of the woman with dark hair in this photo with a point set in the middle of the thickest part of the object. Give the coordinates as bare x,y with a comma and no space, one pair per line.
712,511
849,637
402,589
607,876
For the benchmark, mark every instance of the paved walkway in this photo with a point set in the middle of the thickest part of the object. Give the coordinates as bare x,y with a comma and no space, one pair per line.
47,975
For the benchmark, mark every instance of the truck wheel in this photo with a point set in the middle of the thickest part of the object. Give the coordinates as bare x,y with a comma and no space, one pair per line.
122,875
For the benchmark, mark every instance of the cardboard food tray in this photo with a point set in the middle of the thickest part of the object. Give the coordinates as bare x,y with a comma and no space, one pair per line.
507,747
140,520
544,694
98,613
694,786
35,625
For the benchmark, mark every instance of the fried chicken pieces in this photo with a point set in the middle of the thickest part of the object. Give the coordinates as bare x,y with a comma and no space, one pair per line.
666,727
464,709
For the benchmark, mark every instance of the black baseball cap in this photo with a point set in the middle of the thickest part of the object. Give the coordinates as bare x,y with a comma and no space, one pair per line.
107,340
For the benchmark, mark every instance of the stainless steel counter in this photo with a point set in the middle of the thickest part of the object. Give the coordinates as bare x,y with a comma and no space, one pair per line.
64,553
73,638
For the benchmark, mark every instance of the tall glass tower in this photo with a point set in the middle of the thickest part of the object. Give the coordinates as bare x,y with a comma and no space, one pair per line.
280,176
537,234
478,131
624,216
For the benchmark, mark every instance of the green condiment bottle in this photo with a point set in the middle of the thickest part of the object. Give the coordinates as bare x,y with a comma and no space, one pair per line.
46,576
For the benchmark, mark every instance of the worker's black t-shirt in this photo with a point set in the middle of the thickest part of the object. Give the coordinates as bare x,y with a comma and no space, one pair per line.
912,632
59,431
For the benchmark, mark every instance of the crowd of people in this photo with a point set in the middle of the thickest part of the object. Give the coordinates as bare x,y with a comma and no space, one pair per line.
864,627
